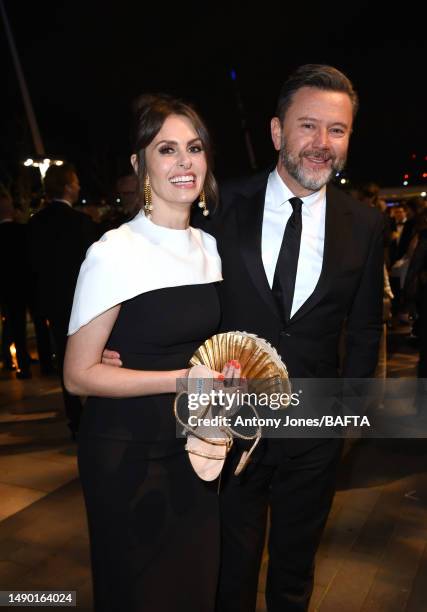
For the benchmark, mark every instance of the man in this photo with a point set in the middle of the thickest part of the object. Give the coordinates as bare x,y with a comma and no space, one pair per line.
14,286
400,252
59,239
299,259
127,195
403,233
293,273
416,301
127,192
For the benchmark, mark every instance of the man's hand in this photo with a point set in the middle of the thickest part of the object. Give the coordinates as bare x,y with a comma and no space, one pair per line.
111,358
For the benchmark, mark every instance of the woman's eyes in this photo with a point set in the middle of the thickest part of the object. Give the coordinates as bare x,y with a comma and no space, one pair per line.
168,150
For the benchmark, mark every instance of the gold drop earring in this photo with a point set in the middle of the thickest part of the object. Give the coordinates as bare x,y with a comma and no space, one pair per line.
202,203
148,206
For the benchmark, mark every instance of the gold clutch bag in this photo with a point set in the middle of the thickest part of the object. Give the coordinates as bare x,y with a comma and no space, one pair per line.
260,362
265,373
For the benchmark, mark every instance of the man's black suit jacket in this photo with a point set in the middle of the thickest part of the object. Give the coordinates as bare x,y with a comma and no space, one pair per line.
349,290
59,237
398,250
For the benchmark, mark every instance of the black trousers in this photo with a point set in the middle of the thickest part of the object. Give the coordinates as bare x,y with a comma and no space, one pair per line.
15,330
299,491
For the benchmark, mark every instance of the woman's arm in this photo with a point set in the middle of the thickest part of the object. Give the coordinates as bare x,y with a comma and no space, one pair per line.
84,374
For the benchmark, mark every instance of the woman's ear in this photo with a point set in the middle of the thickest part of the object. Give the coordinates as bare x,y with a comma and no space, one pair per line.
134,162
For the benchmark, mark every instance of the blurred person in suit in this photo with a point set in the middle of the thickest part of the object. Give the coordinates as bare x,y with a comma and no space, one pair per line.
127,192
59,237
403,229
416,300
14,286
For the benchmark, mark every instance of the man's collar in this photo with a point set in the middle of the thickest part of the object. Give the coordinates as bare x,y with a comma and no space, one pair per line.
282,193
63,201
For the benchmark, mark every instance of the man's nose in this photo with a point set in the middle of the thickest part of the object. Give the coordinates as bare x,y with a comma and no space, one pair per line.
321,138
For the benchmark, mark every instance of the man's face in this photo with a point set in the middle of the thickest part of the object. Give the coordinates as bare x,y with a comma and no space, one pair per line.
127,190
399,214
313,139
72,188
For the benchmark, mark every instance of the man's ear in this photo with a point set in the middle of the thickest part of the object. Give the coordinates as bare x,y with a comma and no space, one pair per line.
276,133
134,162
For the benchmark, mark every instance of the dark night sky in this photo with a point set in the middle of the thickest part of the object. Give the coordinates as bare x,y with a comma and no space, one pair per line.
85,61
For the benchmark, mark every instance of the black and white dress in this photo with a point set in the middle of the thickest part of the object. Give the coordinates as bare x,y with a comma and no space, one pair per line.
153,524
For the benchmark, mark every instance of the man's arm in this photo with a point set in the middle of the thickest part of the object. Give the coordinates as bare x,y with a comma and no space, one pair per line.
364,322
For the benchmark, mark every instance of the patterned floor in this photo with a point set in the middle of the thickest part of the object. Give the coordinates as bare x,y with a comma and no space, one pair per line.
373,556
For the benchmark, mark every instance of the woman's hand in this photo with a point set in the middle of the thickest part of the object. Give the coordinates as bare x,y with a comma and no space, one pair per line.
232,374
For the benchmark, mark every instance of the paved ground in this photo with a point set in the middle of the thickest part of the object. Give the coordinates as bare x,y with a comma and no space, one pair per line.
373,557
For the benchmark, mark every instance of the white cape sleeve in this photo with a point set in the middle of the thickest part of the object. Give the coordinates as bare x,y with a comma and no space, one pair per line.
103,281
139,257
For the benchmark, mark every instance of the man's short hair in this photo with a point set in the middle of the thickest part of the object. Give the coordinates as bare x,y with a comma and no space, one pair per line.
319,76
57,177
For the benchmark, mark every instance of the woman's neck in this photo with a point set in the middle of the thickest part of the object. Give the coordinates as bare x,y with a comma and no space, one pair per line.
178,218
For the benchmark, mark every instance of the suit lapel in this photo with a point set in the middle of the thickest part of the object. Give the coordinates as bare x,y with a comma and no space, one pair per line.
337,228
250,212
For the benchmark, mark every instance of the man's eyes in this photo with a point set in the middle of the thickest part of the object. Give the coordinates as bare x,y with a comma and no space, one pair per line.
337,131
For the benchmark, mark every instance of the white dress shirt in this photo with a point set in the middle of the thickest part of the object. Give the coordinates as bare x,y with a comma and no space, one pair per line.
277,211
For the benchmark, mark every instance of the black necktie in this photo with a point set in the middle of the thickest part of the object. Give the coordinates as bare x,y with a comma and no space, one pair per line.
287,262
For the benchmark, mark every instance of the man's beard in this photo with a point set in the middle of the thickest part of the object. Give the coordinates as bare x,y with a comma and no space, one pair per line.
311,179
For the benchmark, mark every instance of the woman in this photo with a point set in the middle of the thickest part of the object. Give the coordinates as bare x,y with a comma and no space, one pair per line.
148,289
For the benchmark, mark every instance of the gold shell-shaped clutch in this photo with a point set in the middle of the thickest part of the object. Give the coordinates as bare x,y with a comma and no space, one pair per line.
260,362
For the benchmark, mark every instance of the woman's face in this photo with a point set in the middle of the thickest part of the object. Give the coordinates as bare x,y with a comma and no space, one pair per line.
176,163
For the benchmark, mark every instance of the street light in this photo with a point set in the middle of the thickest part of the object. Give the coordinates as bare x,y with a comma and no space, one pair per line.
42,164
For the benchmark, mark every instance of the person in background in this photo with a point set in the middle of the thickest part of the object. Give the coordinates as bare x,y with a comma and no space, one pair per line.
59,237
127,193
14,286
416,301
